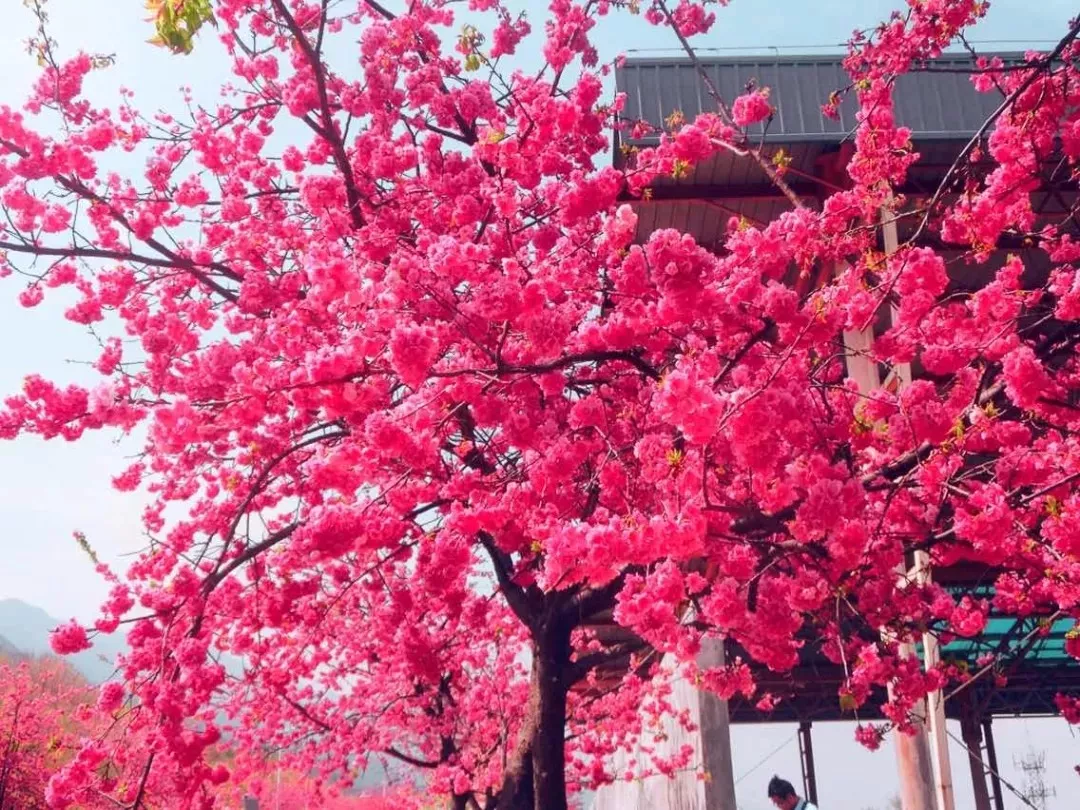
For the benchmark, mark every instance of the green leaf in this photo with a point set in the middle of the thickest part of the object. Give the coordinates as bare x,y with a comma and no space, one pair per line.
178,21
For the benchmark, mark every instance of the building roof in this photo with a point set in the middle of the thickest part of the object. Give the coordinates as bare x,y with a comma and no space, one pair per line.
939,103
944,111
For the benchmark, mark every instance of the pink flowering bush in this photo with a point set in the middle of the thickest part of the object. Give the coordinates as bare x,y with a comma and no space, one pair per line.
423,409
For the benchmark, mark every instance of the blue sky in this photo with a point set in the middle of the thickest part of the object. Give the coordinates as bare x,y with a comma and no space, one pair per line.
48,490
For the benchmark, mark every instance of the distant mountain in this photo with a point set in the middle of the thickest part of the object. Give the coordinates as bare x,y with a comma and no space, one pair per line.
9,650
26,628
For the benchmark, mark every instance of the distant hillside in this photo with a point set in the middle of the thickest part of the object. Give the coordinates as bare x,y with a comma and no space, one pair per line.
9,650
26,628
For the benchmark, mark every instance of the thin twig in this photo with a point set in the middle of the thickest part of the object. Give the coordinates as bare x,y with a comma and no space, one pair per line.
725,113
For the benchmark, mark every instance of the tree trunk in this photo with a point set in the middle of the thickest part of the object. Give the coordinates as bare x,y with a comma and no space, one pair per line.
535,777
549,748
517,786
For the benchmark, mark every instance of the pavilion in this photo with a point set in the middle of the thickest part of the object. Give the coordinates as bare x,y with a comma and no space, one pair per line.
944,112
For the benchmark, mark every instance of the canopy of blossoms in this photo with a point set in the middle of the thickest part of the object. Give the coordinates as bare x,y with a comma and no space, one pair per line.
417,408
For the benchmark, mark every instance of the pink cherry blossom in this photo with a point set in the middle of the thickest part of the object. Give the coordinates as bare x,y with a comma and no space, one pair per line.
69,638
750,108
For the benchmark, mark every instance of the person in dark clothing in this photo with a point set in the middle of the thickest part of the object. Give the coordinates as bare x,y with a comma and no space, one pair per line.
783,795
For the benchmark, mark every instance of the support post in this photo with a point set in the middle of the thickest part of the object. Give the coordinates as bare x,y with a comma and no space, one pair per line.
913,756
251,803
806,756
716,736
991,761
913,766
971,733
935,709
935,702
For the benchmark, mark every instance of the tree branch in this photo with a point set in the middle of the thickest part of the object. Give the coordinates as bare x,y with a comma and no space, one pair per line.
634,358
80,189
580,668
767,327
515,595
418,763
590,601
1074,31
118,255
249,554
763,164
327,128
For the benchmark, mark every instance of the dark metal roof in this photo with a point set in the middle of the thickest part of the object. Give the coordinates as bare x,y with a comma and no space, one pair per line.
937,105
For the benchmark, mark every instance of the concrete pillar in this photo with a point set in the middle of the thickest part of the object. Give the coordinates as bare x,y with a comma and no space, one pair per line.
683,791
913,755
939,738
935,704
716,737
914,769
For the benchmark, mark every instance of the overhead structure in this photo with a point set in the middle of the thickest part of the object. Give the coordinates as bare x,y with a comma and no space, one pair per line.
944,112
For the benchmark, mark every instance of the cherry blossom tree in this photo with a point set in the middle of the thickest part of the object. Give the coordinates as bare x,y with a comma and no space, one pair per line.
419,414
25,732
47,711
50,717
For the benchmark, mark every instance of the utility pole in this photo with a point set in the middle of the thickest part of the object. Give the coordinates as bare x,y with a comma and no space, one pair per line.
1034,767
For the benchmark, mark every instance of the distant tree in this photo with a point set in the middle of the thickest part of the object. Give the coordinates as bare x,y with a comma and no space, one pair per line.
49,719
288,790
